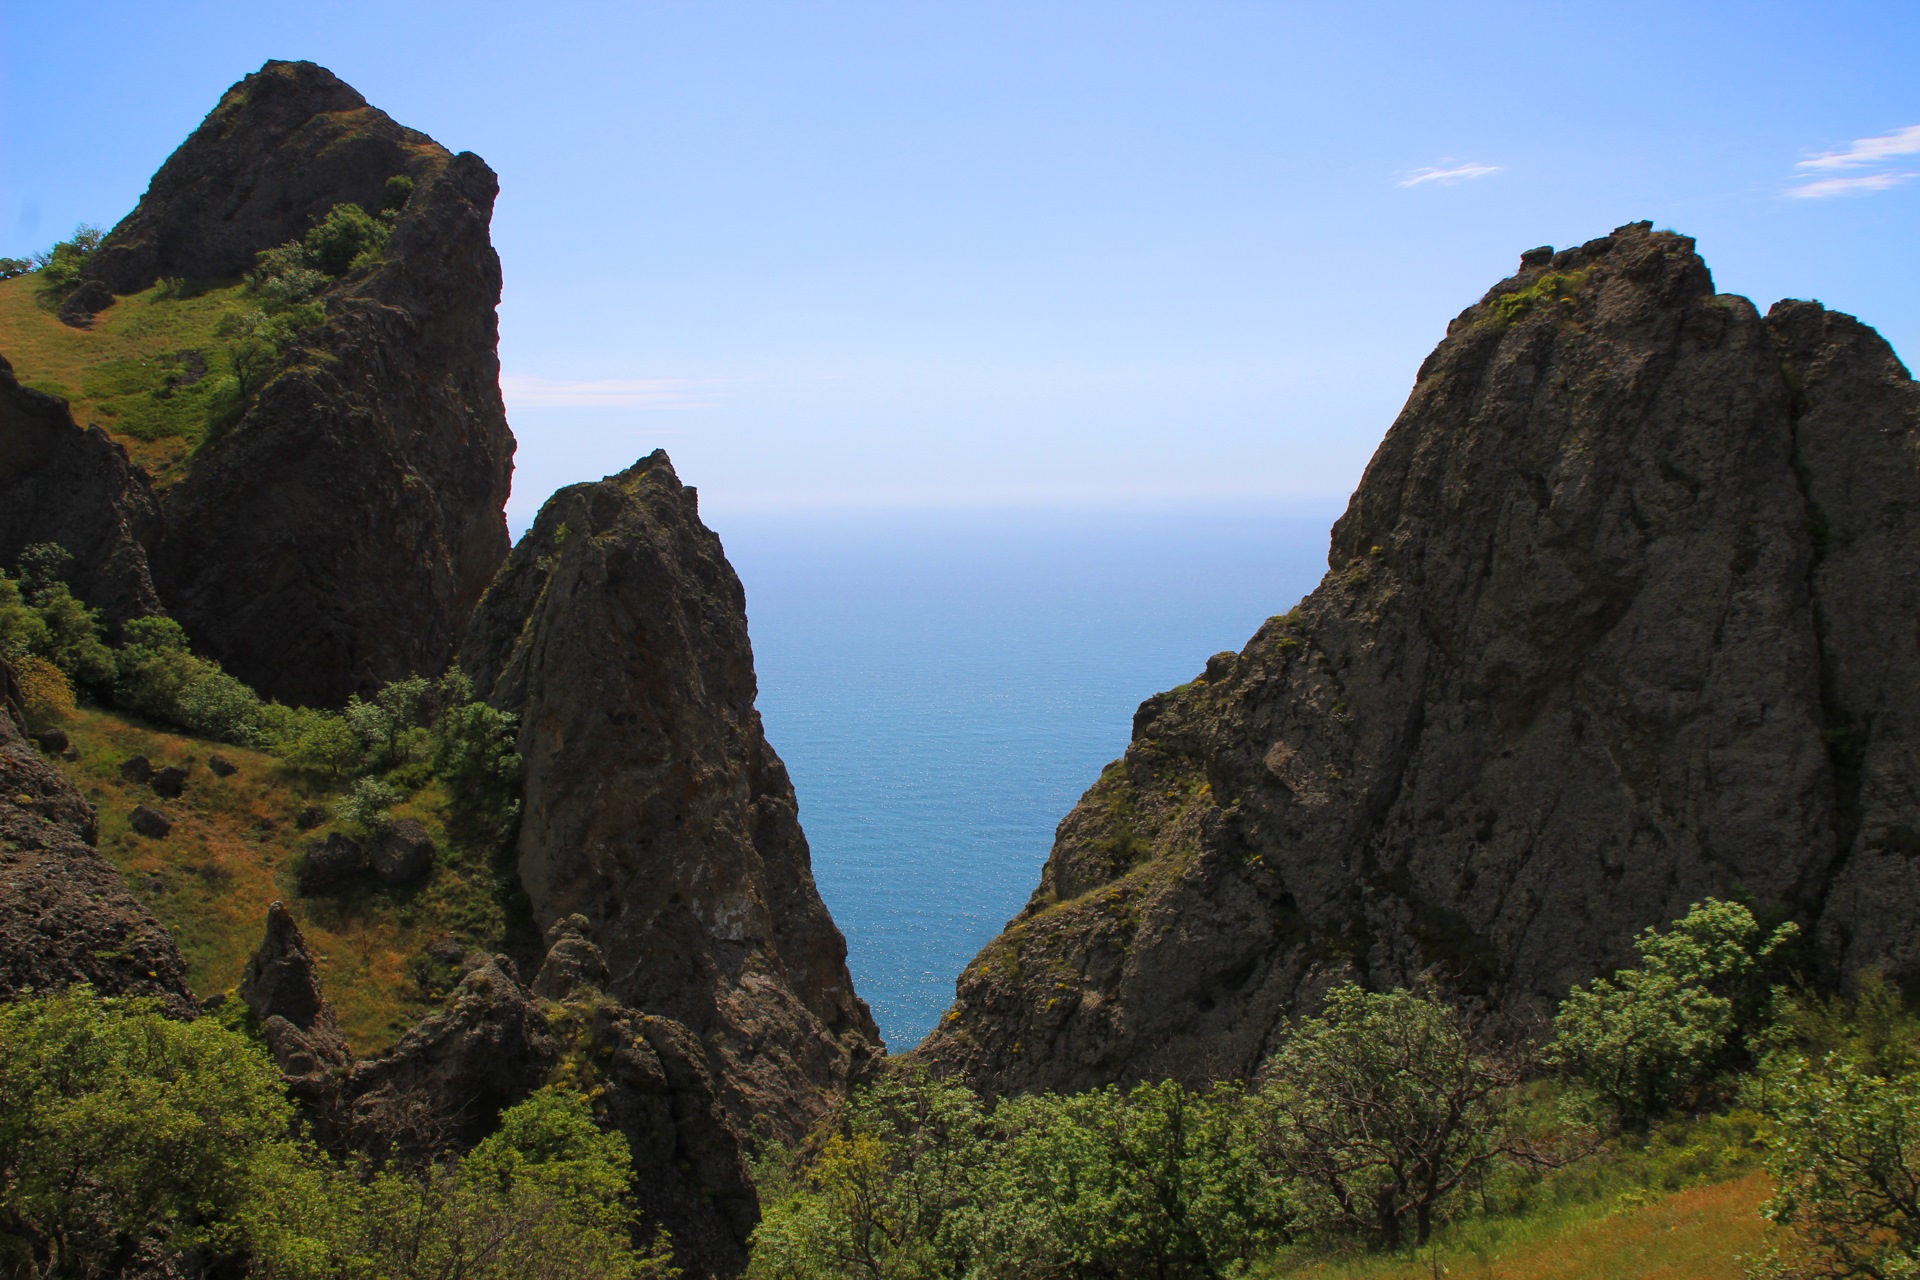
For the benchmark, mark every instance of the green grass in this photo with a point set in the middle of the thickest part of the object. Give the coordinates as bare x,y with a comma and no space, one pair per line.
150,371
233,850
1682,1203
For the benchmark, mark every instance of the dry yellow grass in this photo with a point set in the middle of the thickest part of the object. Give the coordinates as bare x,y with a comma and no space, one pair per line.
233,850
1700,1233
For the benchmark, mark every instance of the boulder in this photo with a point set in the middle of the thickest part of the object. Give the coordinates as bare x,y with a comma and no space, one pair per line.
222,767
84,303
137,770
402,855
330,864
52,742
169,782
150,823
572,962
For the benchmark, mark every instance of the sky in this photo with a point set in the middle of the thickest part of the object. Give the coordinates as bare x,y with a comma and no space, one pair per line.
1032,253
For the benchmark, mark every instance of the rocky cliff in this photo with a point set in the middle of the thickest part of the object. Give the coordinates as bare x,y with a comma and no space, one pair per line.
61,484
444,1085
65,913
1625,612
654,806
338,536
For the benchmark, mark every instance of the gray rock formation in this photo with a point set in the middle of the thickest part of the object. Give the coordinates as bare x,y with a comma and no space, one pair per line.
65,913
1623,614
281,986
77,488
491,1045
653,805
339,535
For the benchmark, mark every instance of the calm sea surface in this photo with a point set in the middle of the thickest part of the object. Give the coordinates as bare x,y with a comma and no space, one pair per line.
944,686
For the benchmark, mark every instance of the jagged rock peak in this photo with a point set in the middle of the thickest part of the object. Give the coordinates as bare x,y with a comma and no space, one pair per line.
654,807
1620,616
283,146
339,534
281,986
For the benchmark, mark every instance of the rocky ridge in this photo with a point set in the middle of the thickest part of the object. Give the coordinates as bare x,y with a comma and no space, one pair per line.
65,914
493,1044
654,807
1623,614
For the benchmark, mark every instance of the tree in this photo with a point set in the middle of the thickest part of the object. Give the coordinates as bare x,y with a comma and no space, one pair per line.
1386,1107
1644,1037
75,642
474,756
1844,1152
122,1129
1153,1183
541,1199
892,1193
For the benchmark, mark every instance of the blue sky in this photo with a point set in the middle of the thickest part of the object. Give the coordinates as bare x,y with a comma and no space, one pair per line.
1036,254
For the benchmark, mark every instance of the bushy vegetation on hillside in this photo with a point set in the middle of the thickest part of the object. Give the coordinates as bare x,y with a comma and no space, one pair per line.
412,731
1386,1117
133,1143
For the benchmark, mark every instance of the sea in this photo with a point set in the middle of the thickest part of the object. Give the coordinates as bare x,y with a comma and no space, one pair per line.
944,685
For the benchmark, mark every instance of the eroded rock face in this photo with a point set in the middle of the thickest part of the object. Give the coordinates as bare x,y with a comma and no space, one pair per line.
281,986
492,1044
337,537
654,807
65,913
1623,614
61,484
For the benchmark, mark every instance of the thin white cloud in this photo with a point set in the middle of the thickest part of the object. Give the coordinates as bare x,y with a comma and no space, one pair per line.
1447,177
1849,186
525,392
1878,154
1870,151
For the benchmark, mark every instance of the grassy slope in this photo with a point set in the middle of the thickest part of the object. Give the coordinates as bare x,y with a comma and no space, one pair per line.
110,373
1699,1233
233,850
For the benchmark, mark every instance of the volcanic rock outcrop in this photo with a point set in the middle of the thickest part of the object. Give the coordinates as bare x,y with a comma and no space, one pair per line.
654,806
76,488
339,533
493,1044
337,537
1625,612
65,913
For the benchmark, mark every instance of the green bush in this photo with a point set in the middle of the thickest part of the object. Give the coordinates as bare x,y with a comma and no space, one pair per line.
22,630
542,1199
124,1132
346,239
474,756
60,266
133,1142
1385,1111
158,676
76,639
1844,1152
1641,1040
364,807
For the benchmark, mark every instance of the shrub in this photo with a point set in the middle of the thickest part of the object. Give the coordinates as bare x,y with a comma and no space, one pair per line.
474,755
540,1199
347,238
11,267
22,630
75,641
364,806
160,677
60,266
399,190
45,691
1643,1038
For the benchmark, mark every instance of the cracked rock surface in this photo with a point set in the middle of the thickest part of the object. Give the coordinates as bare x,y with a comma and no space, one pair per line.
1624,613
